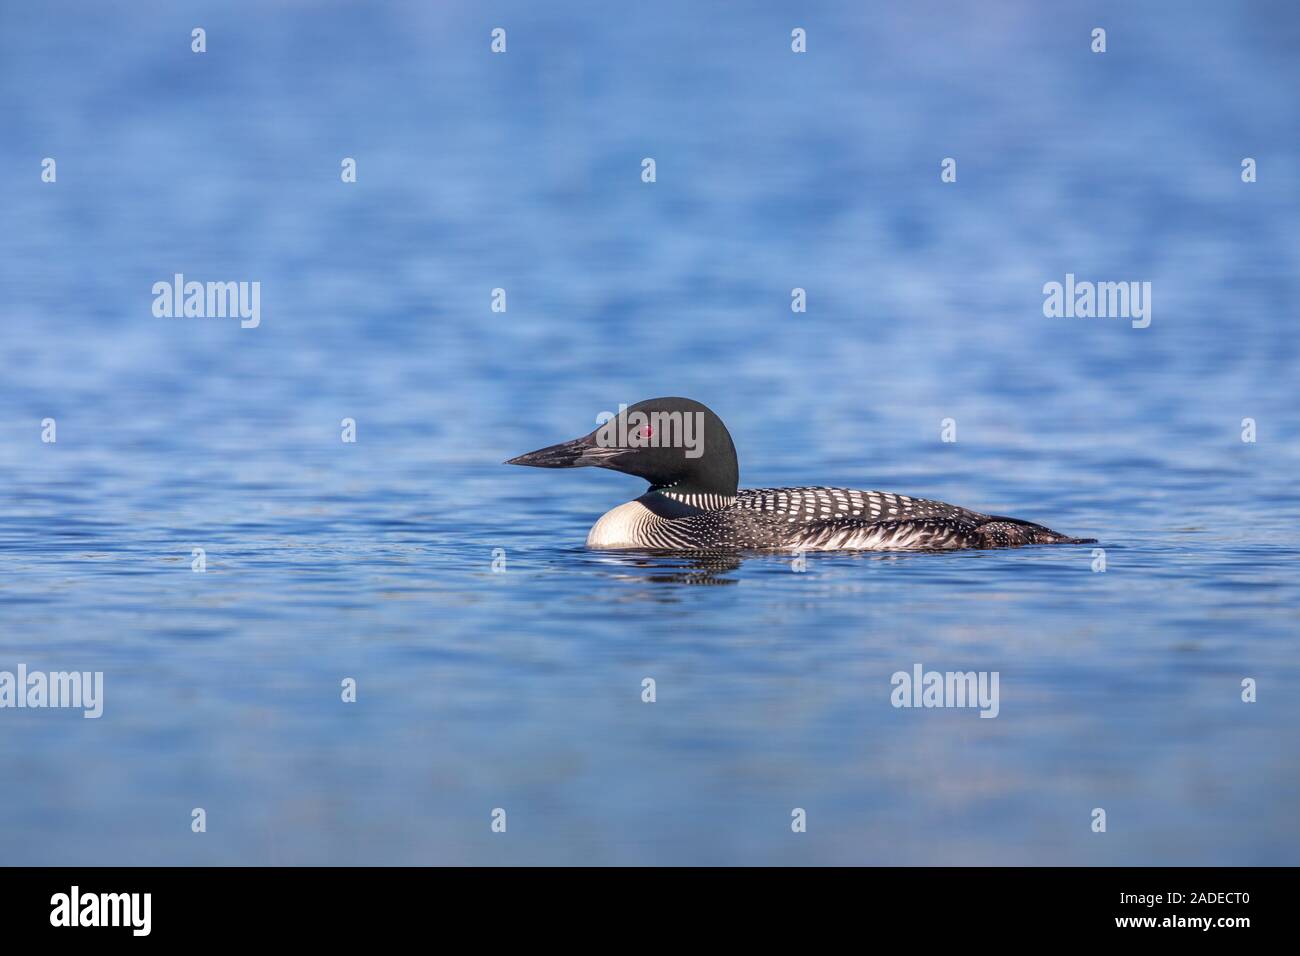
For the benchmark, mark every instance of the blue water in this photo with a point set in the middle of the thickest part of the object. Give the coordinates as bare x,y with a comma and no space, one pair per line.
521,689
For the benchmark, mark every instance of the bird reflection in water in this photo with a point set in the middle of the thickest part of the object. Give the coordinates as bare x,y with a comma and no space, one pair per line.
676,568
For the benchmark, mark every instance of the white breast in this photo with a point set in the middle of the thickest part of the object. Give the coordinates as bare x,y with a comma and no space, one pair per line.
624,527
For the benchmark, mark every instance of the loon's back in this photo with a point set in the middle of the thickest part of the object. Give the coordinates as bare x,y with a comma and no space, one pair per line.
808,519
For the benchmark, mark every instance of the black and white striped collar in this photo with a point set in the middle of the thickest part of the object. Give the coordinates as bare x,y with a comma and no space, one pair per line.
702,500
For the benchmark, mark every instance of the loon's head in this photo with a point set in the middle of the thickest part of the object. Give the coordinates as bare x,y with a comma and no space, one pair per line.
674,443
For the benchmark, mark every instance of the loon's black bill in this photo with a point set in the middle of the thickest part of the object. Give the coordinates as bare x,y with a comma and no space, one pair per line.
569,454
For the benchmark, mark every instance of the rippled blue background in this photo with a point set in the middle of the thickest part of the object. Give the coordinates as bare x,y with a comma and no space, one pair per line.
522,690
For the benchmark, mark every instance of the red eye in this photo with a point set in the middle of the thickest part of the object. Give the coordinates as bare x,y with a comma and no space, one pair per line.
646,431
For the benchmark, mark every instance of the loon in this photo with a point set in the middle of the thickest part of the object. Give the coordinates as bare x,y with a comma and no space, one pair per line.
682,448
